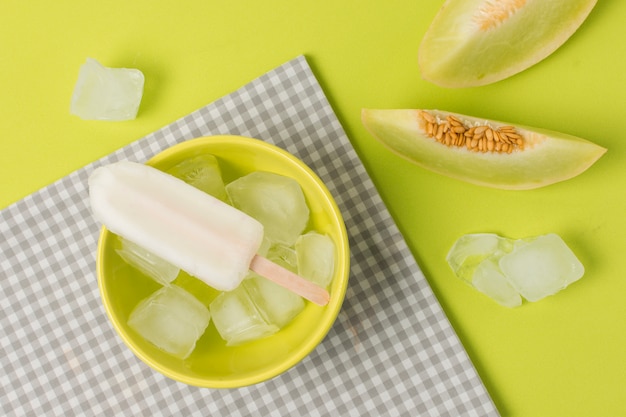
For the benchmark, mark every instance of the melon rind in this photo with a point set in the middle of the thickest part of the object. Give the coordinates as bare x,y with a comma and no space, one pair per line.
455,52
548,157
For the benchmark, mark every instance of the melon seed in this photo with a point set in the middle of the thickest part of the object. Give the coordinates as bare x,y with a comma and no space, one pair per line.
482,138
491,14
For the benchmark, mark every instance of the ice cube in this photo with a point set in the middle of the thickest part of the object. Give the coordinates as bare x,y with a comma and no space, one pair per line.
284,256
203,172
172,319
237,319
489,279
471,249
541,267
146,262
103,93
274,200
316,258
277,304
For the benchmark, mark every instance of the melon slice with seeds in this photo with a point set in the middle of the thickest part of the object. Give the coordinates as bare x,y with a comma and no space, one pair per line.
480,151
477,42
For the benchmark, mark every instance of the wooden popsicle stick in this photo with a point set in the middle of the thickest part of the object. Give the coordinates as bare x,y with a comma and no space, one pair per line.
287,279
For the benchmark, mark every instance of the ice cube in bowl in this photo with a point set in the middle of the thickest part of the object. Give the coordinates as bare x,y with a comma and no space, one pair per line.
238,319
146,262
171,319
275,200
204,173
316,258
212,363
277,304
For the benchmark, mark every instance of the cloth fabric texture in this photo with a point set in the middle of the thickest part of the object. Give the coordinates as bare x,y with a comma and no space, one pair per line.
391,351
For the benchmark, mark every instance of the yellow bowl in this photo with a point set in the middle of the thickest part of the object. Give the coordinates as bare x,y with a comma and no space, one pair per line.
213,364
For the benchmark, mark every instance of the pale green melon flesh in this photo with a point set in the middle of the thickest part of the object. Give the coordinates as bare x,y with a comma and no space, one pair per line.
548,157
477,42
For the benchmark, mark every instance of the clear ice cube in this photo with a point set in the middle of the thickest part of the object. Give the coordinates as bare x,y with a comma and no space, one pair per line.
541,267
489,279
472,249
146,262
171,319
507,270
284,256
237,319
203,172
316,258
274,200
103,93
277,304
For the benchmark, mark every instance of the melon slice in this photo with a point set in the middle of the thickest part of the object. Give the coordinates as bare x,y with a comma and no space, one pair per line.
477,42
480,151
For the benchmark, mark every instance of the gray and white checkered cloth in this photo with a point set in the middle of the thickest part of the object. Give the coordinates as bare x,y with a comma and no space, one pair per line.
391,351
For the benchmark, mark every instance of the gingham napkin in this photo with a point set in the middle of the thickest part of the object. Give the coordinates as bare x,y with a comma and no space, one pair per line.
391,351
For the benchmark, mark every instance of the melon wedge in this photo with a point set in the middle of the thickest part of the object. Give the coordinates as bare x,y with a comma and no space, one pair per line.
531,158
476,42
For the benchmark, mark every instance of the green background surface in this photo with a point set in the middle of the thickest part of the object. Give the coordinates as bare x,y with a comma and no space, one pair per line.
562,356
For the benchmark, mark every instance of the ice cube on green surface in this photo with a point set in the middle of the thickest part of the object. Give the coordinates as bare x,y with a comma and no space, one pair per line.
471,249
203,172
103,93
541,267
316,258
146,262
237,319
489,279
508,270
277,304
274,200
171,319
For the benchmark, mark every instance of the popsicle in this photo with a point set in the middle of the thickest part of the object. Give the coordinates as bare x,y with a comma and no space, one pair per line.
187,227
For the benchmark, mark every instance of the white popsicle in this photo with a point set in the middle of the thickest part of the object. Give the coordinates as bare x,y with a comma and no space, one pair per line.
189,228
